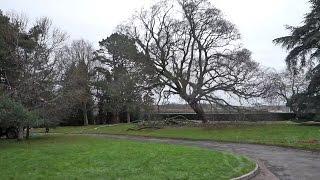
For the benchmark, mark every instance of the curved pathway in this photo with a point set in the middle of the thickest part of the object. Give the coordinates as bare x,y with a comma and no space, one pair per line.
284,163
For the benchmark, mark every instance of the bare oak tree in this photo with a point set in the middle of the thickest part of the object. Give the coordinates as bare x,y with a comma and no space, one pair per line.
195,52
286,84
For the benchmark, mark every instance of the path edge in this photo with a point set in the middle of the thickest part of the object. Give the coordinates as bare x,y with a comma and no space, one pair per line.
249,175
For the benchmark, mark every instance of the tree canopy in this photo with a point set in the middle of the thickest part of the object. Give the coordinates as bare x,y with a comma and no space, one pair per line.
304,50
195,52
124,78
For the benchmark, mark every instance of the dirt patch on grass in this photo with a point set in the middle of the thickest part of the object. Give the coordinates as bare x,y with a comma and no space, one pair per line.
310,141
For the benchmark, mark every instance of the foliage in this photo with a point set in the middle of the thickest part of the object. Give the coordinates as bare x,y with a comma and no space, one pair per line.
122,82
79,157
285,86
11,38
303,44
313,92
28,66
14,114
305,103
303,40
76,79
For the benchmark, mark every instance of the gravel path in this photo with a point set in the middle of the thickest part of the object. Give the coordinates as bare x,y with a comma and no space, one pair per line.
284,163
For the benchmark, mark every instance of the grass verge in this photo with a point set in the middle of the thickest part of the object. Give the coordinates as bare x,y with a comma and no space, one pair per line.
79,157
279,134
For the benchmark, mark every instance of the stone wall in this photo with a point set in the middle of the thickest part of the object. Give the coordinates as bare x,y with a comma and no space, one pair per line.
234,116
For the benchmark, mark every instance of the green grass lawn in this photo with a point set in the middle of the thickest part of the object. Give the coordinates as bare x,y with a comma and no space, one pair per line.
281,134
80,157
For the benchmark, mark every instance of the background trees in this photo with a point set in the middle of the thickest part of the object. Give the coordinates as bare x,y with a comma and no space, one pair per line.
38,78
28,66
124,80
76,82
177,47
195,53
12,40
14,114
285,86
303,46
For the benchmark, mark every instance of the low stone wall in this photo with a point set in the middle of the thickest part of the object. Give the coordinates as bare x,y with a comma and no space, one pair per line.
251,117
234,117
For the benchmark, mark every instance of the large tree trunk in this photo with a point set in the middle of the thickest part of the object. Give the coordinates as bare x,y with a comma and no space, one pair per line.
20,133
295,110
28,132
116,118
199,111
128,117
85,115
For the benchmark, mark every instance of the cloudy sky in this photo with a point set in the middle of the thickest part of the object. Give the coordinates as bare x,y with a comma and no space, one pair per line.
259,21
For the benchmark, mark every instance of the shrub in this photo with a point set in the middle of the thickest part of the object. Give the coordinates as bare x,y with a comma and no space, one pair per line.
13,113
316,118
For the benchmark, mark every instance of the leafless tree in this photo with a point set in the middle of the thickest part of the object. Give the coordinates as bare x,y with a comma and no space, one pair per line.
77,61
286,84
196,52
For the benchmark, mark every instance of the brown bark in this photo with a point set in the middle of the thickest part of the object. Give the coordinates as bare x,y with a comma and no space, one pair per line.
20,133
199,111
85,115
28,132
128,117
116,118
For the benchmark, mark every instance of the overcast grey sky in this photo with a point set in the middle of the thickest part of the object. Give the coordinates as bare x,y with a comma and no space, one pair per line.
259,21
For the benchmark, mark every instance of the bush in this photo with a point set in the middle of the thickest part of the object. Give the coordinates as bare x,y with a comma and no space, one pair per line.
316,118
13,113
